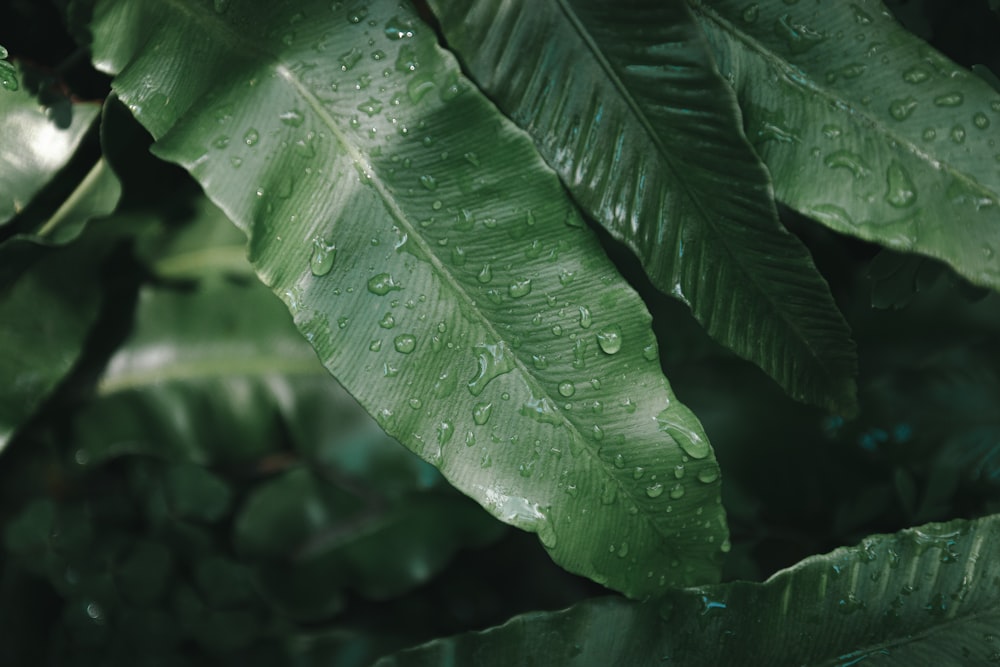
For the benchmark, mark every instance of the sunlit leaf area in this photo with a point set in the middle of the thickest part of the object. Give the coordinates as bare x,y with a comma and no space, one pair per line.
499,332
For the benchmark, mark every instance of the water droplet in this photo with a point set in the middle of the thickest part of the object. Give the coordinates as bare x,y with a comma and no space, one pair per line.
414,403
485,274
900,189
371,106
689,441
853,162
610,339
9,82
598,434
902,108
708,475
407,60
751,12
519,288
916,74
387,322
494,360
798,38
292,117
981,121
929,134
654,490
679,471
221,141
397,28
429,182
405,343
566,389
382,284
677,491
481,413
349,59
650,352
609,492
323,256
375,345
958,134
949,100
251,137
860,15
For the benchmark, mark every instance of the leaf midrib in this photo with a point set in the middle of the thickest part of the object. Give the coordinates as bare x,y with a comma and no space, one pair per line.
793,77
677,173
202,18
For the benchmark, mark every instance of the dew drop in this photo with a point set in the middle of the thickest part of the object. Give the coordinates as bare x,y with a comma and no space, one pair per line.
650,352
387,322
610,339
798,38
900,189
382,284
404,343
690,442
853,162
929,134
349,59
586,319
958,134
677,491
566,389
860,15
708,475
519,288
292,117
981,121
251,137
370,107
654,490
323,256
445,431
597,433
481,413
429,182
485,274
916,74
902,108
375,345
494,360
949,100
397,29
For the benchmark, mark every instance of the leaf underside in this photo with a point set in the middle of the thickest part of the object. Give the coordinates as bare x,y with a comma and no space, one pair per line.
622,99
435,265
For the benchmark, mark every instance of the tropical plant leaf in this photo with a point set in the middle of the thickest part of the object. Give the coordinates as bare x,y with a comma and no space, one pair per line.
37,139
45,315
924,596
623,100
866,128
436,266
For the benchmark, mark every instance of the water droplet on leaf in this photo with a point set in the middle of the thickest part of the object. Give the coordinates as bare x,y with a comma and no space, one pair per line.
610,339
405,343
323,256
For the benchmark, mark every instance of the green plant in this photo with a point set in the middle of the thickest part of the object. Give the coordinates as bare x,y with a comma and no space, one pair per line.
185,481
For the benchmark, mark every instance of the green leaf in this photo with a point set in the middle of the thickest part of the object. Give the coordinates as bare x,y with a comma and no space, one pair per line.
45,316
866,128
924,596
648,139
436,266
36,142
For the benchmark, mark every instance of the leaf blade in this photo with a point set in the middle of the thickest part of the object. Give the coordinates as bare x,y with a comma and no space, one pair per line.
646,134
453,307
903,148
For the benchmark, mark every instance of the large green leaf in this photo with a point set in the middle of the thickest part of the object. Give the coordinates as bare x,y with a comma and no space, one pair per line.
623,100
925,596
37,139
865,127
436,266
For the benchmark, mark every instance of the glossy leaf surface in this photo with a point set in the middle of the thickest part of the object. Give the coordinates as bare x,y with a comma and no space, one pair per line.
866,128
623,100
36,141
435,264
925,596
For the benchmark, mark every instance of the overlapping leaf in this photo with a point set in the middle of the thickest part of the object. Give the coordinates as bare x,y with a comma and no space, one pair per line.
436,266
624,102
925,596
866,128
